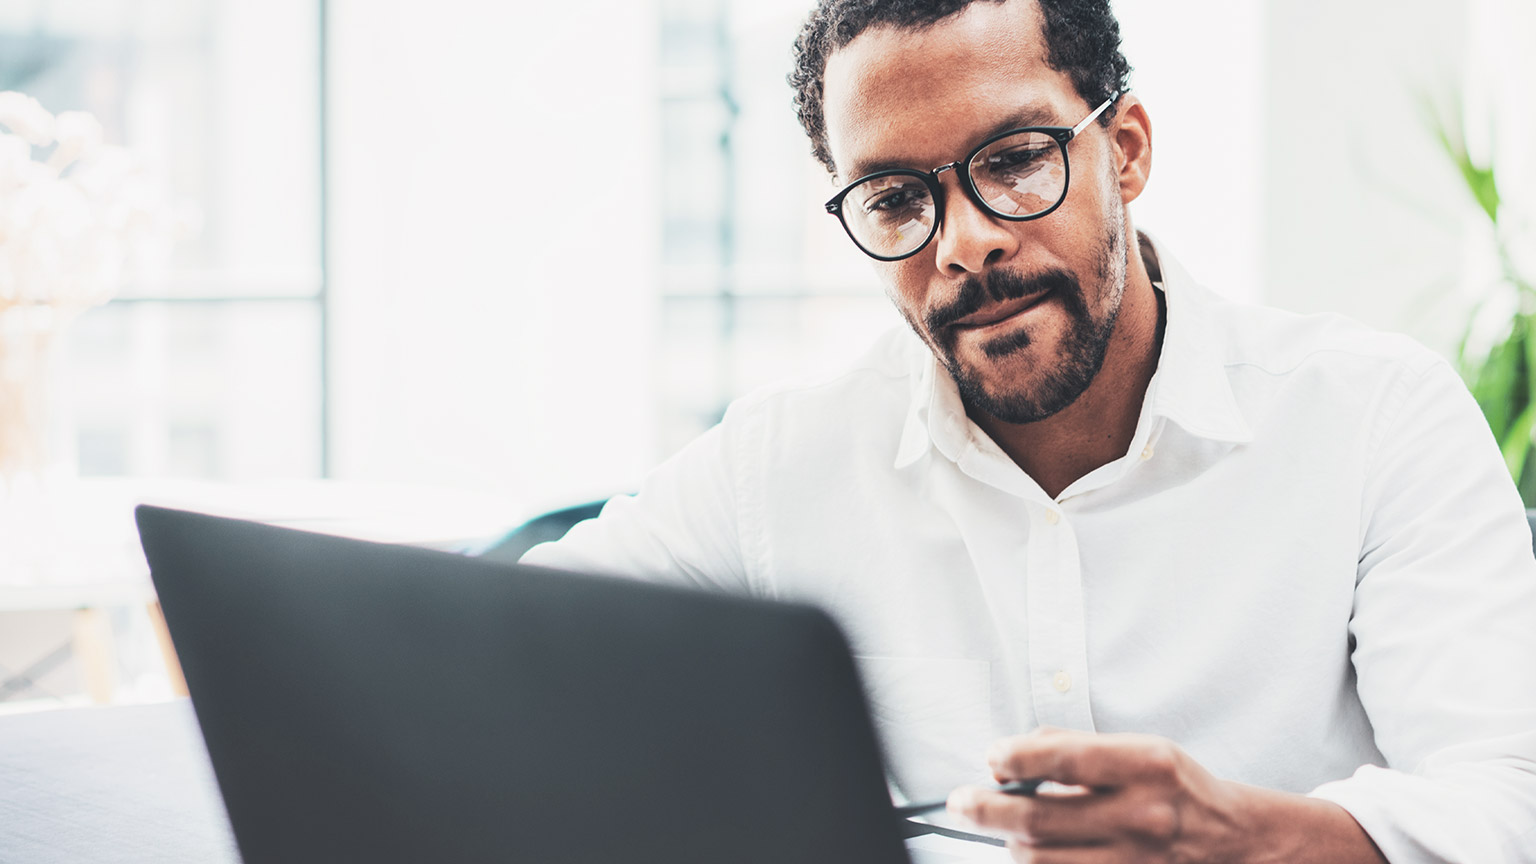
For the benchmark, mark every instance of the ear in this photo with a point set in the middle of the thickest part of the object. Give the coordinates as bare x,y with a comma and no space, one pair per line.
1131,139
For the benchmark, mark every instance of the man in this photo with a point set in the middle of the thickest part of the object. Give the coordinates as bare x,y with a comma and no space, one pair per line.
1251,586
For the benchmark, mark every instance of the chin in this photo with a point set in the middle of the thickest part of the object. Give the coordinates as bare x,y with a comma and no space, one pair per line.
1015,389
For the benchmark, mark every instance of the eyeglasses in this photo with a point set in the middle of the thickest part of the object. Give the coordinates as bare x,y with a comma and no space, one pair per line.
1016,175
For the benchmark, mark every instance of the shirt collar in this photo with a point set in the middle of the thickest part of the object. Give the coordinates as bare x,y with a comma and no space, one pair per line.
935,414
1190,387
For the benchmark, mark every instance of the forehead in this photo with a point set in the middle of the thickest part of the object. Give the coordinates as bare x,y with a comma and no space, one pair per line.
921,98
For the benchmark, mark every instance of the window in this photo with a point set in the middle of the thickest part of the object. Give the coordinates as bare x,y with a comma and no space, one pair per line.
757,284
213,369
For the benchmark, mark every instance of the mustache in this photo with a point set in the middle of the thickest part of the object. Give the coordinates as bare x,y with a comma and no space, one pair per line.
1000,285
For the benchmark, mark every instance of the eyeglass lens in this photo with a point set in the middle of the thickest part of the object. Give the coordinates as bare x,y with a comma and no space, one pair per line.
1016,177
890,216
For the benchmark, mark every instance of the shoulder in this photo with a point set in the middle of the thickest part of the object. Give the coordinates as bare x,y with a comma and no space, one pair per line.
842,425
1324,375
1278,343
877,386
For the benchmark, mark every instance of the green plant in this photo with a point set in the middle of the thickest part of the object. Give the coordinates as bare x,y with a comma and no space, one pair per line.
1501,375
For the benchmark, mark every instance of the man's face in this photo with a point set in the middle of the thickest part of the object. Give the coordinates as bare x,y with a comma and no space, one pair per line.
1021,313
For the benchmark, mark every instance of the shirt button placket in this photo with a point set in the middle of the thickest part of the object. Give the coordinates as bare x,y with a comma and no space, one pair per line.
1057,638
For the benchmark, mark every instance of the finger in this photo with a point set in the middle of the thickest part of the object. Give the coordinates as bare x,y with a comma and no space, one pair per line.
1132,815
1001,745
1086,759
1048,820
1025,854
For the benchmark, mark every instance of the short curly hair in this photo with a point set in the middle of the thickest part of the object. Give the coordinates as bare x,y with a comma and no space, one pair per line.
1082,38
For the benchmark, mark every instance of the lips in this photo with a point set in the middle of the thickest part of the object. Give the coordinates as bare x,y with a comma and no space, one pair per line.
996,312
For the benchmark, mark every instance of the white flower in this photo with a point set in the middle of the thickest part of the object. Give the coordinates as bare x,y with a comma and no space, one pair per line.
79,134
106,173
15,154
26,117
69,227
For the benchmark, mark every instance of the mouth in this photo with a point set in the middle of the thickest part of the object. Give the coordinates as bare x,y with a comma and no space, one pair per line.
997,313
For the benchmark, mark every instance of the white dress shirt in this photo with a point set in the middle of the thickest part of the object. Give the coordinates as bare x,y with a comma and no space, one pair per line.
1310,569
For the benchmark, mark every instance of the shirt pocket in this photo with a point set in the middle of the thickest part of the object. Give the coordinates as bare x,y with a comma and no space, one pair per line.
934,717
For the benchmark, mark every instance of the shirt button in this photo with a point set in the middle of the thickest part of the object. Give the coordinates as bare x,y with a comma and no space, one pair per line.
1062,682
1146,453
1052,517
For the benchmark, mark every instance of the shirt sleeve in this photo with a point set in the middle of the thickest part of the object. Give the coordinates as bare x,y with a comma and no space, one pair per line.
681,528
1444,638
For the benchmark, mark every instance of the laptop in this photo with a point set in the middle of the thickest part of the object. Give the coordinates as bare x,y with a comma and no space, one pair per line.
379,703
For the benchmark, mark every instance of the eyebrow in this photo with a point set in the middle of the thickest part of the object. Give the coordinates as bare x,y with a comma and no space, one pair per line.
1034,115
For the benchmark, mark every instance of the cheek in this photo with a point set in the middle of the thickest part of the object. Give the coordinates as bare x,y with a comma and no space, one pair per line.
906,285
1080,229
1093,187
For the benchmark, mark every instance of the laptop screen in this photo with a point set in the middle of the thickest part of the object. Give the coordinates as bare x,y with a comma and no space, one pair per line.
363,701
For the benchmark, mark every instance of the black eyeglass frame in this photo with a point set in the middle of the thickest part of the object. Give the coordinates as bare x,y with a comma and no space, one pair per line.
1062,135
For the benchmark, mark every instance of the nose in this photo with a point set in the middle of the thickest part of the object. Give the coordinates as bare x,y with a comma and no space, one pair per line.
969,239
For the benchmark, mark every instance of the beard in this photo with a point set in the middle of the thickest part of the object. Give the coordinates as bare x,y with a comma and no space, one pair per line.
1079,356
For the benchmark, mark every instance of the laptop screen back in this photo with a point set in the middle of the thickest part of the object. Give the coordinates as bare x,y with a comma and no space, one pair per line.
380,703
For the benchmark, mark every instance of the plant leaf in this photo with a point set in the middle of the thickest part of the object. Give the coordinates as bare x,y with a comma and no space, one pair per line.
1484,188
1516,445
1497,382
1480,181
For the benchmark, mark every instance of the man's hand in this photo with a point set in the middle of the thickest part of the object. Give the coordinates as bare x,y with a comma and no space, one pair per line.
1146,800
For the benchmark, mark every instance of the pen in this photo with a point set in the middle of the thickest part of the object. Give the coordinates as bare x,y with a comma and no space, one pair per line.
1017,787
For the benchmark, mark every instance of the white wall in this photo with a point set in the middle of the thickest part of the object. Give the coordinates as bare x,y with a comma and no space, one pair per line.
492,194
1293,162
1502,115
1362,213
1199,68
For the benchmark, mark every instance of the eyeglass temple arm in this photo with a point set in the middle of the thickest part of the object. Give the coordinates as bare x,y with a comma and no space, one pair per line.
1096,112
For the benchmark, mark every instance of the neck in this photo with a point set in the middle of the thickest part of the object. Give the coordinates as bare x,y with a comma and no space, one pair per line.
1097,428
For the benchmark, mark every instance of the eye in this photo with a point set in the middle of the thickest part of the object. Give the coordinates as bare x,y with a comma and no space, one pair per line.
894,200
1021,158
